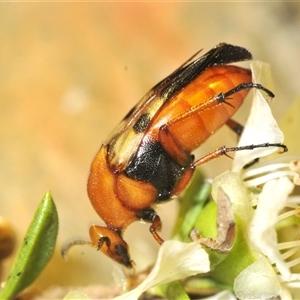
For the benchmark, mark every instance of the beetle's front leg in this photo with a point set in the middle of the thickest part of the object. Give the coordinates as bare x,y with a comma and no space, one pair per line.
150,215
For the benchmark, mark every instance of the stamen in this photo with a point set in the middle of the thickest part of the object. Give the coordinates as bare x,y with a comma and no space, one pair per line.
271,170
288,245
294,212
265,178
295,165
294,284
289,253
291,205
293,262
265,169
296,179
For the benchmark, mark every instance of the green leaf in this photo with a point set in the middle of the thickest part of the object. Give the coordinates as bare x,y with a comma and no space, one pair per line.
191,204
36,250
172,290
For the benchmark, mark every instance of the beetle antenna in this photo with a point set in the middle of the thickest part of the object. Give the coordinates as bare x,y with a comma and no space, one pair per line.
65,249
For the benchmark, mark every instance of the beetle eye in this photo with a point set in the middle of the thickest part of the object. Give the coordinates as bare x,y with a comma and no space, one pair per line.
122,252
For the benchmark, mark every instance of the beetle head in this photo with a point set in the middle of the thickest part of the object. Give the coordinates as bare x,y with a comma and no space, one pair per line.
111,243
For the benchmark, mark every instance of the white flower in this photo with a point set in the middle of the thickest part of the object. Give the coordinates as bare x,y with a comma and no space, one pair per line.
260,127
175,260
261,280
258,210
258,281
262,233
269,205
277,180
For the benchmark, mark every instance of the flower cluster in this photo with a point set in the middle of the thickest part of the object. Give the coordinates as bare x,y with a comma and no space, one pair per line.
246,256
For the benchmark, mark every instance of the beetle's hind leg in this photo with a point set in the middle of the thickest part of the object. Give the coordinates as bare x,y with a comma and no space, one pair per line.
150,215
235,126
189,171
238,129
173,147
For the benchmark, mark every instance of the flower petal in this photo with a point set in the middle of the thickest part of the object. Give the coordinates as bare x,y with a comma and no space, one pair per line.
258,281
231,184
175,260
73,295
262,228
260,128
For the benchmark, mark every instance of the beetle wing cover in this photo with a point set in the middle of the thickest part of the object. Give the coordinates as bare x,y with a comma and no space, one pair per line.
126,138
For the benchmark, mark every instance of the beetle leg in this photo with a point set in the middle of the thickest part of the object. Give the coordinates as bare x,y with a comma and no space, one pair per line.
169,131
235,126
175,134
184,125
150,215
174,149
238,129
156,226
224,150
189,171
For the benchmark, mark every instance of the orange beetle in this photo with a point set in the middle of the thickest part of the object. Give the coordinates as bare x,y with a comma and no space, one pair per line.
147,160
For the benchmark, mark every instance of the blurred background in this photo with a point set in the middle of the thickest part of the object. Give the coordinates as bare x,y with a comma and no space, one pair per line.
69,72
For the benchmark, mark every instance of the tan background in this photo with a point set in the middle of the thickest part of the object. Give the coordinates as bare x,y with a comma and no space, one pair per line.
70,71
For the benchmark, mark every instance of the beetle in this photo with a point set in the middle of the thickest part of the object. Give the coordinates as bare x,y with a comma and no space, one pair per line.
147,159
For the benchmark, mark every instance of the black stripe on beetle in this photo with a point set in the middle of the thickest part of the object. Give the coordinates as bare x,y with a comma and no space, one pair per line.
142,123
153,164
